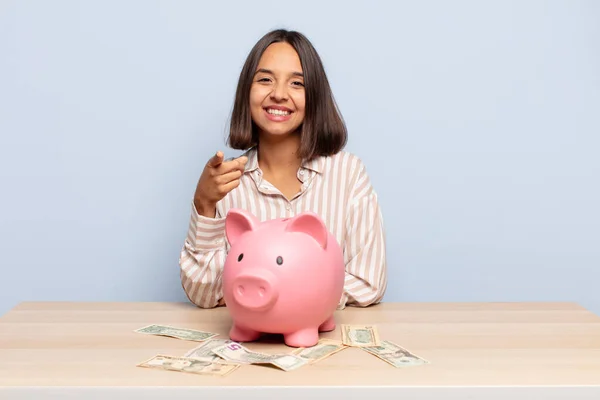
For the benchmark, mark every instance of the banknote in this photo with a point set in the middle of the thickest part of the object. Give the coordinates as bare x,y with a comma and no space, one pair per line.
323,349
237,353
395,355
360,335
288,362
189,365
204,350
179,333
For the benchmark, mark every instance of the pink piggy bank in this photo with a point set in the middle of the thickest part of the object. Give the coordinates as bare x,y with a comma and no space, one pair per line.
281,276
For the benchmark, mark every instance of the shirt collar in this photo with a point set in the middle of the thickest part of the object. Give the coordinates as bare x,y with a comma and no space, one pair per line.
316,164
252,163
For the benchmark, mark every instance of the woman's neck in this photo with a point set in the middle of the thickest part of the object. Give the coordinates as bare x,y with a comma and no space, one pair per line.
279,156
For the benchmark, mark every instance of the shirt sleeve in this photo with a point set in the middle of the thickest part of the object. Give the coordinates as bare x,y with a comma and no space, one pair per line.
365,249
202,258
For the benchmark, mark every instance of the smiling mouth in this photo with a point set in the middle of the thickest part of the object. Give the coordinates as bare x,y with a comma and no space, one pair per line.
273,111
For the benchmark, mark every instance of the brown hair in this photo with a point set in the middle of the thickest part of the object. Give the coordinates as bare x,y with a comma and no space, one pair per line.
323,131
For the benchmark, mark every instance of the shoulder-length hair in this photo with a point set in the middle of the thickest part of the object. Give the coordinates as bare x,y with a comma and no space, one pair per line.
323,131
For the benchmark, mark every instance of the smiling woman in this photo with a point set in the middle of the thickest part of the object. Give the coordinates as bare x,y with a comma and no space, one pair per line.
284,76
286,120
277,94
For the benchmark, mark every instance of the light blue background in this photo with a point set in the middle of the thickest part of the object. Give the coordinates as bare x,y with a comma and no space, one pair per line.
478,122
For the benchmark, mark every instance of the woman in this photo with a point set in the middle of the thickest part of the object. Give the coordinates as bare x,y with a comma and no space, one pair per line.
286,120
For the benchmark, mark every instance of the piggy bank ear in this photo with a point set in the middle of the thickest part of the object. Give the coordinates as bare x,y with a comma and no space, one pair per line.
309,223
237,222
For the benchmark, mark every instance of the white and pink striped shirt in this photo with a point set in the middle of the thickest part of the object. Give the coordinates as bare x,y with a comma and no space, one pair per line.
337,188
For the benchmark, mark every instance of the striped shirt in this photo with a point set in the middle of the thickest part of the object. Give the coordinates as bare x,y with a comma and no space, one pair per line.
337,188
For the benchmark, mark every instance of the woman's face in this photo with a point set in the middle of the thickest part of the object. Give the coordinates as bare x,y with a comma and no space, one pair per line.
277,91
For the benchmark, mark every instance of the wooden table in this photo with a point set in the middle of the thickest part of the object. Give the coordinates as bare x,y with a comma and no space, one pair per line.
476,350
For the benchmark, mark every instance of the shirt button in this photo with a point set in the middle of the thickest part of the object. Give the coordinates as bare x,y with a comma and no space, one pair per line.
302,172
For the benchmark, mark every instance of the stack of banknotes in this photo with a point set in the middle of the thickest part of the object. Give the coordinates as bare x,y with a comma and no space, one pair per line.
221,357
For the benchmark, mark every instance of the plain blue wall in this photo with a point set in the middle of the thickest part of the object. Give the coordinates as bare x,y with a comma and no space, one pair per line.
478,123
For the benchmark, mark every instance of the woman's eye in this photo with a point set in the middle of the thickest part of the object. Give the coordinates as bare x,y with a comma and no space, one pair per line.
298,83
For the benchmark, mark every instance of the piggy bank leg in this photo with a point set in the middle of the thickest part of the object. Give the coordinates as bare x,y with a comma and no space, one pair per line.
240,334
328,325
303,338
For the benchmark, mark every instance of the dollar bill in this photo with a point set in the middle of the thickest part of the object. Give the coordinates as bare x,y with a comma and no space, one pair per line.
395,355
179,333
360,335
237,353
204,351
288,362
189,365
323,349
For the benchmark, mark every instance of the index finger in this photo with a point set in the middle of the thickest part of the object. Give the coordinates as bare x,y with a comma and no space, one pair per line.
234,163
216,160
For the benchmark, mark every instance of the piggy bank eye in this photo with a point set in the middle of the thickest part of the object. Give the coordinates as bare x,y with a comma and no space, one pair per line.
279,260
240,257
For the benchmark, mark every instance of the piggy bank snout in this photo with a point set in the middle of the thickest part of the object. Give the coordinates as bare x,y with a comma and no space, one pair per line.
255,291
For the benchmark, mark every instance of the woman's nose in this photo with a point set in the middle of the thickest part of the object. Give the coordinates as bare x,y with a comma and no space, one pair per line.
279,92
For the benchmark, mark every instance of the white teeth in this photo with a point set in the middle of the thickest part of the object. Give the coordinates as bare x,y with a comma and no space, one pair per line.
277,112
